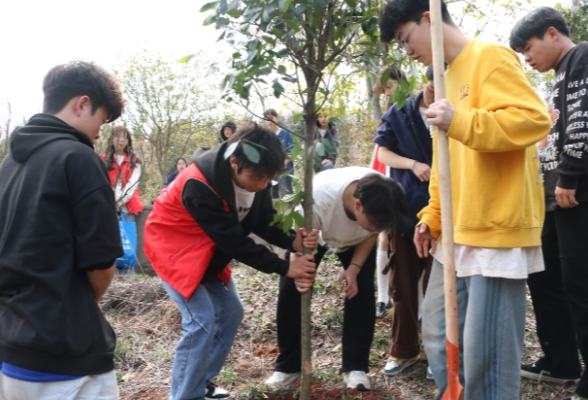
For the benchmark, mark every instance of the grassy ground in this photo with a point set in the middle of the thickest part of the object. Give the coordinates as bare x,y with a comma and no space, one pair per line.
148,327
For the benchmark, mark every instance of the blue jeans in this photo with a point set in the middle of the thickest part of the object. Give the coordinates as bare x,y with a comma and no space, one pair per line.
491,319
209,323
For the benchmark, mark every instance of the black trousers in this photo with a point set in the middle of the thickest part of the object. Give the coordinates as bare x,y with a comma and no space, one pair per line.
560,293
358,319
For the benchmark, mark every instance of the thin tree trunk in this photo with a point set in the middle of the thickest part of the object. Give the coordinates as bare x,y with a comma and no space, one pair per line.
306,345
373,98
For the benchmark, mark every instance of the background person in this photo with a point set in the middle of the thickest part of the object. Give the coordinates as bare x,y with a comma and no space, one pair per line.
227,130
124,171
181,165
284,179
382,256
406,147
326,130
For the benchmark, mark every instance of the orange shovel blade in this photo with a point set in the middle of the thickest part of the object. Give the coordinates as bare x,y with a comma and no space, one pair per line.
454,389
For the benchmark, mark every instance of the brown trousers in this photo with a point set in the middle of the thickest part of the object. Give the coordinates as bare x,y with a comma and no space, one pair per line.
406,269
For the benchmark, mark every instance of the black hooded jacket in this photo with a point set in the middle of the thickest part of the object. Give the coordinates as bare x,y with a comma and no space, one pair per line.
57,222
230,235
222,136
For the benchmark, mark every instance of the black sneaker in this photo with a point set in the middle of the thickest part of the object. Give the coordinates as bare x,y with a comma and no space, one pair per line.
215,392
532,371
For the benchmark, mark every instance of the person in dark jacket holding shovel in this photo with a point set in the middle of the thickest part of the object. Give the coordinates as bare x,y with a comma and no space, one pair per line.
199,223
59,238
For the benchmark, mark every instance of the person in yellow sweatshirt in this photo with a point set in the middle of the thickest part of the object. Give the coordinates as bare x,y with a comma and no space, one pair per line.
493,119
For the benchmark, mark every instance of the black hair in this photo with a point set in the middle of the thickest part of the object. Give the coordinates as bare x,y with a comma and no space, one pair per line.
79,78
272,154
270,112
383,201
108,159
536,24
429,73
398,12
395,73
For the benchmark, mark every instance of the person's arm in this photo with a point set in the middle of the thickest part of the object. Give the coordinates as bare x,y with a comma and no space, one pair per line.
100,281
393,160
506,118
360,254
573,162
125,194
226,232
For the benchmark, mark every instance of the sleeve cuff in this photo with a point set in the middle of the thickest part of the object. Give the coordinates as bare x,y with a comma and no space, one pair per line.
567,182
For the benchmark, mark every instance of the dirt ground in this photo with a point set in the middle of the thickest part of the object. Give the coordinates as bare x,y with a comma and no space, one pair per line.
148,328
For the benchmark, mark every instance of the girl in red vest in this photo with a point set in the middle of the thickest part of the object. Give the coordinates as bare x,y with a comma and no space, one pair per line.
124,171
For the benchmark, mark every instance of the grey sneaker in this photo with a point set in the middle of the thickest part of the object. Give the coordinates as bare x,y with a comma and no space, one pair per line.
357,380
429,375
282,378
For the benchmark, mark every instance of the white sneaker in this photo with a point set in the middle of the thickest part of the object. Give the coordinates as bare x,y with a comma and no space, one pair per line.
357,380
282,378
214,392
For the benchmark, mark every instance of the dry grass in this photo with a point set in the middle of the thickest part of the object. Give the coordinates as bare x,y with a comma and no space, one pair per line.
148,327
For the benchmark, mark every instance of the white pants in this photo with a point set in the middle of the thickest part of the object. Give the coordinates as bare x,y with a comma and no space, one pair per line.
91,387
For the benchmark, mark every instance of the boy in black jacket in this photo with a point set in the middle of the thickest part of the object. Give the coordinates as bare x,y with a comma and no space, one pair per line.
559,293
59,238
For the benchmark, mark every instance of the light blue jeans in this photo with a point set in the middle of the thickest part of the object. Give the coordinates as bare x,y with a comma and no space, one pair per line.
491,332
209,323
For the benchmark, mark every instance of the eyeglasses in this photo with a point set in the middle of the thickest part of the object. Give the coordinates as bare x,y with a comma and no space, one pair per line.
403,42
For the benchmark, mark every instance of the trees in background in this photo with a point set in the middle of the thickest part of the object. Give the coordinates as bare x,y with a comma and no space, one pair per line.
172,109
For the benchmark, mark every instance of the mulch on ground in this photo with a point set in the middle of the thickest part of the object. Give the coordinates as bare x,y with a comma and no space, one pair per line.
148,327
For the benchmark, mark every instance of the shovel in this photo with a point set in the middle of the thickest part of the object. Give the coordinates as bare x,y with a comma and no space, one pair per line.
454,389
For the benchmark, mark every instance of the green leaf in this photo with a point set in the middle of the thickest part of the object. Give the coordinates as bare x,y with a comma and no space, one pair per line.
320,149
251,153
284,4
230,150
298,219
222,7
208,6
281,69
351,3
297,118
289,198
209,20
335,120
278,89
329,147
234,12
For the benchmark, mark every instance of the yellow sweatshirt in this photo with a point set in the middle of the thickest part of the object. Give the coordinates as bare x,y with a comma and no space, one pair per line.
496,185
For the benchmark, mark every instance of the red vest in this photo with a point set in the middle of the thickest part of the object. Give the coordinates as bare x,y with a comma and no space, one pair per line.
134,205
177,247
